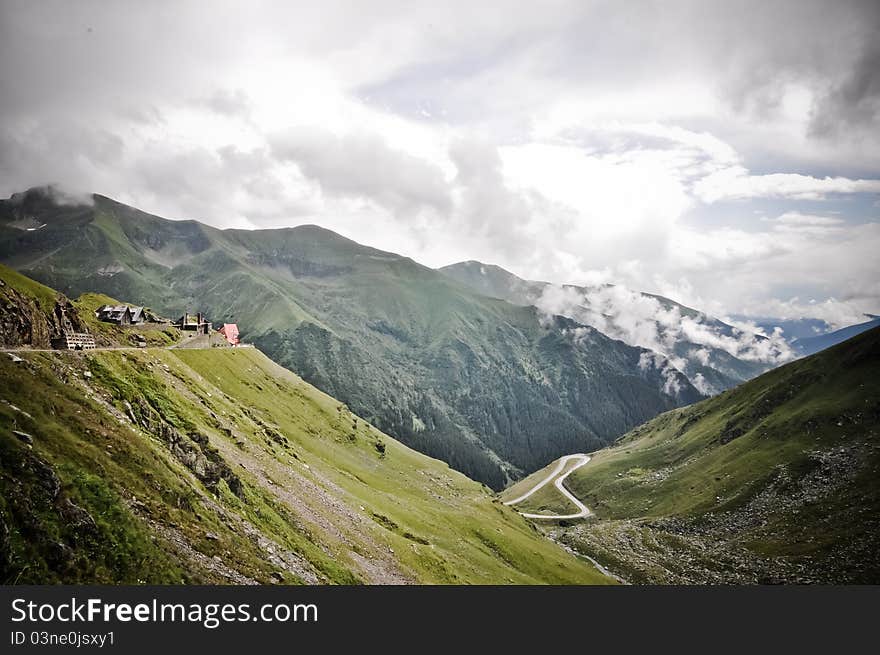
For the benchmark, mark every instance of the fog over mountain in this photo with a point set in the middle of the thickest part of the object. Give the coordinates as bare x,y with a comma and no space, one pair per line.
714,355
648,322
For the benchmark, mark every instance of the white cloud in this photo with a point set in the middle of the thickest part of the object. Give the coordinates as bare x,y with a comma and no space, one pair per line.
797,219
748,272
668,372
735,183
571,141
679,339
837,313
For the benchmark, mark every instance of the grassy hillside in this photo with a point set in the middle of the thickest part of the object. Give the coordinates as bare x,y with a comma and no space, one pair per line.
169,466
776,480
43,296
492,388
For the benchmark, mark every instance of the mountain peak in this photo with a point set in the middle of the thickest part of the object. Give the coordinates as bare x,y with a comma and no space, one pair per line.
49,195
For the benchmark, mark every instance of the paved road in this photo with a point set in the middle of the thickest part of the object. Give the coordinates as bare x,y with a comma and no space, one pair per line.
583,510
101,348
65,350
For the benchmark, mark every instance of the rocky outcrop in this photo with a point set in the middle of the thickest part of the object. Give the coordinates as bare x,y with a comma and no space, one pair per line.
193,450
23,322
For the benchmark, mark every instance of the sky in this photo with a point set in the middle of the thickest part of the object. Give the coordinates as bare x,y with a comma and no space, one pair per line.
724,154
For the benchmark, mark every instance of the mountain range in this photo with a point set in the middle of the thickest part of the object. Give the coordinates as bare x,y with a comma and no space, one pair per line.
819,342
173,463
495,389
712,354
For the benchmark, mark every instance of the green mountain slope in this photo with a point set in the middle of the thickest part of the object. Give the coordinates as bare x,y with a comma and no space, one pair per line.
774,481
217,465
712,354
492,388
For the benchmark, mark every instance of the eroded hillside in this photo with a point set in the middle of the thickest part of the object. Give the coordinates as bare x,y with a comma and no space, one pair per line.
169,466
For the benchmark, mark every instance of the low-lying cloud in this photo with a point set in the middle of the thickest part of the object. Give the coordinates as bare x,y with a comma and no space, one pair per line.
678,336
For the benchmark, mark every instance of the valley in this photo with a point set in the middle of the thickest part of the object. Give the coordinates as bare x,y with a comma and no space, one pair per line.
772,482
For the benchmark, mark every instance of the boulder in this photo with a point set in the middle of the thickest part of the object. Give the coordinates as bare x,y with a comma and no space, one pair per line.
24,436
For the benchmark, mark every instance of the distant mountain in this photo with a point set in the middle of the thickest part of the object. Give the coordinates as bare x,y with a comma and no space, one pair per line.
712,354
775,481
492,388
794,328
811,345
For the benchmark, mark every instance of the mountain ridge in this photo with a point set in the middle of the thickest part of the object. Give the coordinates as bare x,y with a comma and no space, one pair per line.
713,355
493,388
818,343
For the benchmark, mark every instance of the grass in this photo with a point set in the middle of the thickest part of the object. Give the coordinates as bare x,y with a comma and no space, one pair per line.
420,499
783,466
44,296
318,501
79,446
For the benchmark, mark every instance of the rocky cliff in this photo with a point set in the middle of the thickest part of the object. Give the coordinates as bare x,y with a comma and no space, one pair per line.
31,321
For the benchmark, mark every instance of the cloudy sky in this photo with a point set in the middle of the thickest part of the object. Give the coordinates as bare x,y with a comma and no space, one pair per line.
726,154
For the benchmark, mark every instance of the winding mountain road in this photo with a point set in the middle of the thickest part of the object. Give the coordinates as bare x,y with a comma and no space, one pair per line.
583,510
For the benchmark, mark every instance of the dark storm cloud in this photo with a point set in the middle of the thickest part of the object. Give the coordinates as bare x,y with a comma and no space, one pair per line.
830,49
229,103
363,166
855,101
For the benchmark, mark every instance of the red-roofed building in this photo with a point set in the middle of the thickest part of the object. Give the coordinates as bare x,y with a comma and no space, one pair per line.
230,331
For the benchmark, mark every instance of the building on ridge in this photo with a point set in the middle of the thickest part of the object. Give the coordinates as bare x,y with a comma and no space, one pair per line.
121,314
230,331
193,323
